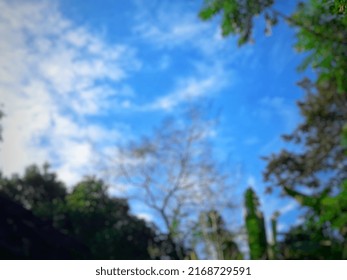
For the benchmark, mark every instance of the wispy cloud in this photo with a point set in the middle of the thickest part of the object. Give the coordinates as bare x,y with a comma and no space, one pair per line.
205,82
187,91
171,25
173,28
51,74
166,29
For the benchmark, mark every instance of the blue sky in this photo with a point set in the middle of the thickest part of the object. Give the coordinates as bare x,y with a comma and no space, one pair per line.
77,77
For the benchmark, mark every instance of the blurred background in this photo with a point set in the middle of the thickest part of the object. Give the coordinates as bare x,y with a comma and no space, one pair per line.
196,129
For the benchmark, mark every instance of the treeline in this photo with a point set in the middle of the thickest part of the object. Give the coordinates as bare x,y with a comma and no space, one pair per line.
41,219
85,223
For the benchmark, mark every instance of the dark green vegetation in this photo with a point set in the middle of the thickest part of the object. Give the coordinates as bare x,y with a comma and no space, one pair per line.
255,226
39,218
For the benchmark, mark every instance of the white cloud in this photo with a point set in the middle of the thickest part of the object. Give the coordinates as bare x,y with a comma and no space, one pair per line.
169,25
188,90
208,81
168,34
50,78
166,29
175,27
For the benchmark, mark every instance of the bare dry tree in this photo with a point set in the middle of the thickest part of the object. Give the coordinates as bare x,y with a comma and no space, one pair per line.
175,173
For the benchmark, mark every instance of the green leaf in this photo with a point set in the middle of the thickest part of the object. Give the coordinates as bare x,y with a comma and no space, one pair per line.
207,13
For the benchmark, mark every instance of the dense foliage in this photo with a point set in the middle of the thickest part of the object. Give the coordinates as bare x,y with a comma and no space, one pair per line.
87,214
319,164
255,226
322,33
238,15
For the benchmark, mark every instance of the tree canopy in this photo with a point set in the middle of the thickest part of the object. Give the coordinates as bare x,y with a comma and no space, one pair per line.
320,28
238,15
319,162
88,214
